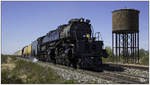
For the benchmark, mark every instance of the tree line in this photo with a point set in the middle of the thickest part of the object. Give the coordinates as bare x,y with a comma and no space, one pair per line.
143,54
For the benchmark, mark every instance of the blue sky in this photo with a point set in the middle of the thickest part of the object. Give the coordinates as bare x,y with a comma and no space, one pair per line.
23,22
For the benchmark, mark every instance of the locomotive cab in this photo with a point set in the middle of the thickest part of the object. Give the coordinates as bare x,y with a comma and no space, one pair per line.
80,29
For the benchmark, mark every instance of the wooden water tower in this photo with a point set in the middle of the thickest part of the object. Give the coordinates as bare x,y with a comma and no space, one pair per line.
125,35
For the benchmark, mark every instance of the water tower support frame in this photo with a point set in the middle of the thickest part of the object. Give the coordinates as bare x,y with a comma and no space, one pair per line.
125,47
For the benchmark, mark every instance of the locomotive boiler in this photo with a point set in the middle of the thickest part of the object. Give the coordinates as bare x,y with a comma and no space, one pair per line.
73,44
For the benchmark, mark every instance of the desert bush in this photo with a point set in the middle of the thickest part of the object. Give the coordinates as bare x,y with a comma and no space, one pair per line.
9,78
4,59
70,82
110,57
35,73
144,57
30,73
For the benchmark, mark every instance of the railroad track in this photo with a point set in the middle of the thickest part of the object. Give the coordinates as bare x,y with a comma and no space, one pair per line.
141,67
114,76
134,79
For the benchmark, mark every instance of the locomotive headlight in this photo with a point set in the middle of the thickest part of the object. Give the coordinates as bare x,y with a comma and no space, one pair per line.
81,20
87,35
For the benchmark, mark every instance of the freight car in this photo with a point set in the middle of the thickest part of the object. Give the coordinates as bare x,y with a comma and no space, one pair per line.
72,44
26,51
18,53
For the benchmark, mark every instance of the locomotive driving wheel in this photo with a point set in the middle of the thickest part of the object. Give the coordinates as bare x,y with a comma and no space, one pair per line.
48,55
72,58
52,56
59,56
79,62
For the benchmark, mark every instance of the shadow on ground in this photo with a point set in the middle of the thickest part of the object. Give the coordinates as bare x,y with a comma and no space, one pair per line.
112,68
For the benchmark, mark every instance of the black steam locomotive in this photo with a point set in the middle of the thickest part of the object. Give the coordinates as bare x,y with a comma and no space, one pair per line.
73,44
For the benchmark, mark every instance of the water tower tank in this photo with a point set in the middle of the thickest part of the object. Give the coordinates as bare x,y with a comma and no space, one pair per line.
125,20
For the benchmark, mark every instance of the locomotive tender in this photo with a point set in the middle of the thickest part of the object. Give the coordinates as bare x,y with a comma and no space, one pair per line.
72,44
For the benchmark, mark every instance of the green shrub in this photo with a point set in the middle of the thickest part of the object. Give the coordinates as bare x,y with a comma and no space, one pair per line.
110,57
144,57
4,59
9,78
34,73
69,82
145,60
92,82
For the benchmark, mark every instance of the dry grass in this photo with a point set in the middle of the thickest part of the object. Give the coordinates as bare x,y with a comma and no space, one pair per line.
16,71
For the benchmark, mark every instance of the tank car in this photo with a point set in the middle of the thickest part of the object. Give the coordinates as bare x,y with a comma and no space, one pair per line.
72,44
